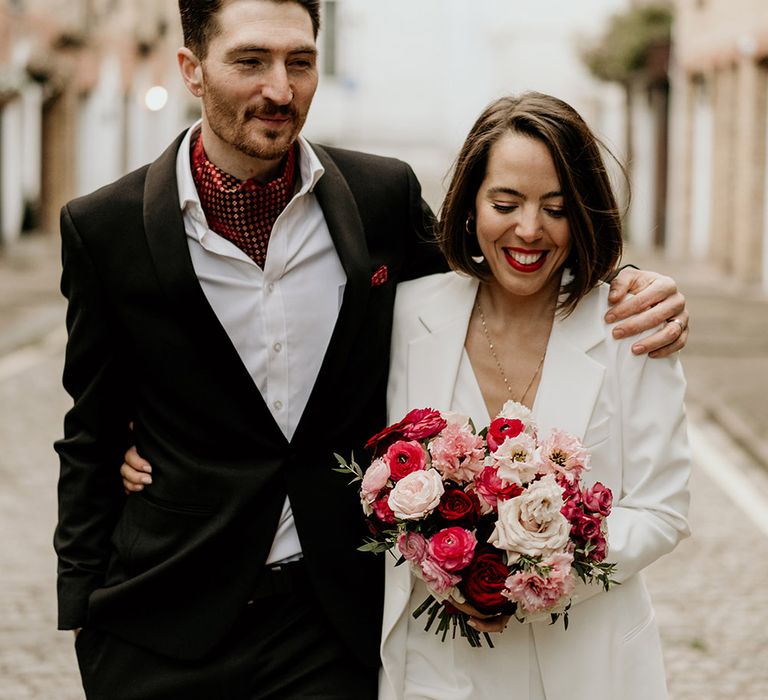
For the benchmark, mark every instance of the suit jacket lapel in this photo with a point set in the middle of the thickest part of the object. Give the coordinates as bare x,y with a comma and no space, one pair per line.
167,242
346,228
571,379
434,357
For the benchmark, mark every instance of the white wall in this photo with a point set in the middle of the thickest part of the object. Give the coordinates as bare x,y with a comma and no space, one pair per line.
413,76
11,184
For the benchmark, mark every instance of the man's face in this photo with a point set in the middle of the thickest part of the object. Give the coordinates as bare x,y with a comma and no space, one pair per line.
259,76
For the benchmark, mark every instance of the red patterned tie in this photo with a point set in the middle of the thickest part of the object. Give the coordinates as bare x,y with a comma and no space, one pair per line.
242,211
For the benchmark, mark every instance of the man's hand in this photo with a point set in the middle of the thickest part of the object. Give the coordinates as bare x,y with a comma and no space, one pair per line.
136,472
655,301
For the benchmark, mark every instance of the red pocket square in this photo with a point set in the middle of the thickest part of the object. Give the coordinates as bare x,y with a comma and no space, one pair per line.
380,276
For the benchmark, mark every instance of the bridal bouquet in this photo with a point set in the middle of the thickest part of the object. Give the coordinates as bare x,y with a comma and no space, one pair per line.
498,519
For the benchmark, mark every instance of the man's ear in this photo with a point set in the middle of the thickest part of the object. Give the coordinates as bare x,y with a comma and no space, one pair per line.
191,71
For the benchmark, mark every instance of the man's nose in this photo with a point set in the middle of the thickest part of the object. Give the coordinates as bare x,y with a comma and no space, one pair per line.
277,88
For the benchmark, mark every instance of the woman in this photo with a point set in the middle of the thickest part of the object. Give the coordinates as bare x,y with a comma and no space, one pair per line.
530,226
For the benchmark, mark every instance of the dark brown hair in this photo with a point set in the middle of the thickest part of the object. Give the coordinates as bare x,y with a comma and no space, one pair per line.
198,21
590,205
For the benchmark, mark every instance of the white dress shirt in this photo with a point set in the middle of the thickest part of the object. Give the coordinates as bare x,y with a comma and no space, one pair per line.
279,319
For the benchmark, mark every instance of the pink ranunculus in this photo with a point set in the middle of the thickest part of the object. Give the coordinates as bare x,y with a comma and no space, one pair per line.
516,459
436,577
598,499
491,488
413,546
416,495
423,423
562,453
457,453
405,457
452,548
535,593
374,479
502,429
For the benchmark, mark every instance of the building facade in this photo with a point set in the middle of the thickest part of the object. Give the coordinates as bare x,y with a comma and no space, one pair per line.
718,196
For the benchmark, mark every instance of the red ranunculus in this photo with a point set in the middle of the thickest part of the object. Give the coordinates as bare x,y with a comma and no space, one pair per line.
382,440
382,510
423,423
484,581
457,506
404,457
492,488
502,428
452,548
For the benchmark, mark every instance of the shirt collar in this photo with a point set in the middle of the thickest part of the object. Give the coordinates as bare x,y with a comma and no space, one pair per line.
310,170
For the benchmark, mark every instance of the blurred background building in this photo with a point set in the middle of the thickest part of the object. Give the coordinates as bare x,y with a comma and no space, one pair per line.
678,89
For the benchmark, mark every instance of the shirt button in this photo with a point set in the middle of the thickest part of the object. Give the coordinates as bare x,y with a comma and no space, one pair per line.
277,347
278,405
271,287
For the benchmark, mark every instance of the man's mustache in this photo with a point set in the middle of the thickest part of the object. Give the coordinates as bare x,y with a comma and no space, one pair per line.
268,109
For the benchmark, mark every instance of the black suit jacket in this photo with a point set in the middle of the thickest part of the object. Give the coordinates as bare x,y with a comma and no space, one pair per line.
172,568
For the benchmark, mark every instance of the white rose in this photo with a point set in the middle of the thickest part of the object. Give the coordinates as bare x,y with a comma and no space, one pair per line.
531,523
515,459
416,495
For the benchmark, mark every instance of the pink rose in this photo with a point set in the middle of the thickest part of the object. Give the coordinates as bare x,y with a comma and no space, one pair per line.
536,593
457,453
452,548
564,454
404,458
423,423
502,428
374,479
598,499
413,546
436,577
416,495
491,488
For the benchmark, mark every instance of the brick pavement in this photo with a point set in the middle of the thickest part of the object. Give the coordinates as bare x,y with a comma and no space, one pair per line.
708,593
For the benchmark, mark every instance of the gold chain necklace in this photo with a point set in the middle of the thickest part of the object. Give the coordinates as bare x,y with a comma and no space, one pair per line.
498,364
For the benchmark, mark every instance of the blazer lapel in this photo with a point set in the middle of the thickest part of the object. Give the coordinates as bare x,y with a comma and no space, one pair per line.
346,228
167,242
571,379
434,357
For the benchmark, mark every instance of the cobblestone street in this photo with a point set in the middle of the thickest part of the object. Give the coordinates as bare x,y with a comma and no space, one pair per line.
709,593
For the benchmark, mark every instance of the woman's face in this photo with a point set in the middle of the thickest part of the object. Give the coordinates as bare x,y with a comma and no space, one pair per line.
520,215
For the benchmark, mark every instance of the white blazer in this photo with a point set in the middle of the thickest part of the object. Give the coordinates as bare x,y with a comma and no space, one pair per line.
629,413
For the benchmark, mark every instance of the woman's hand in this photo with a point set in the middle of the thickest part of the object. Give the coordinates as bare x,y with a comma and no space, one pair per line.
480,621
136,472
656,300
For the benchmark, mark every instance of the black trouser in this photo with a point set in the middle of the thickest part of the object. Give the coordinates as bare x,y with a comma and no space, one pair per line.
281,648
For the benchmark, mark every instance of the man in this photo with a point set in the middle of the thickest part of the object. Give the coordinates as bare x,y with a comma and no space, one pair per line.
234,300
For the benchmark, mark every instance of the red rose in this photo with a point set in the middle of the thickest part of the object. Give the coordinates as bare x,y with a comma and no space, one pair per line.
423,423
587,527
601,548
457,505
502,428
571,491
598,499
405,457
572,512
484,580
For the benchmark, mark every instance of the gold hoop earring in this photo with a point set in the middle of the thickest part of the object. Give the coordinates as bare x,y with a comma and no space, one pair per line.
467,225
